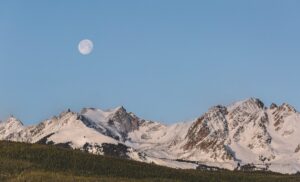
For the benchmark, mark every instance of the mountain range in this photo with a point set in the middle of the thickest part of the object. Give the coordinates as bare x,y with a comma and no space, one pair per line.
245,135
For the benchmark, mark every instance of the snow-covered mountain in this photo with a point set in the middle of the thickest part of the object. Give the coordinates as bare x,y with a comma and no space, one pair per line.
243,135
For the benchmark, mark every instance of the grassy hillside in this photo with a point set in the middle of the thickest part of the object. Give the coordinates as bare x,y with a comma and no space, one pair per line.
34,162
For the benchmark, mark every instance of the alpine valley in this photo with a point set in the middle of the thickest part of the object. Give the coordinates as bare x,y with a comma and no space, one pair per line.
245,135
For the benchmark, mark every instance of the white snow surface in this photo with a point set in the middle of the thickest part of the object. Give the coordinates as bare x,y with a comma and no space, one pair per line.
159,140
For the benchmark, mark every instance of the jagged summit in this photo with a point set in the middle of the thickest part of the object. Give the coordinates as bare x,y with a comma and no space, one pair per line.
257,103
117,109
13,120
250,104
104,113
288,107
273,106
10,127
220,108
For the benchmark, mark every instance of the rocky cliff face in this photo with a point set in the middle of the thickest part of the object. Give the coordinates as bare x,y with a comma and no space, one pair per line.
209,134
241,134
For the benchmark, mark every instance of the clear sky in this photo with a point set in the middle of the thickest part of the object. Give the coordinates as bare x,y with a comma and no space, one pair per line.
165,60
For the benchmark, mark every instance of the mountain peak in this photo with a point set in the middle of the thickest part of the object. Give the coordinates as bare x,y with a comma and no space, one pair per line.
288,107
118,109
273,106
251,103
219,108
106,112
65,113
256,102
13,120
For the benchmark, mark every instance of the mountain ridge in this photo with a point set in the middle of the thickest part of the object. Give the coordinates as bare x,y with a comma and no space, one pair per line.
243,133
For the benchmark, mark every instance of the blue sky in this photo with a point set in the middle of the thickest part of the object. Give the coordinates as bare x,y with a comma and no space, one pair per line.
164,60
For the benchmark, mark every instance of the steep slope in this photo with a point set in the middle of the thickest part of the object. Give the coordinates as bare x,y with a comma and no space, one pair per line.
249,138
206,137
10,128
116,123
285,131
68,129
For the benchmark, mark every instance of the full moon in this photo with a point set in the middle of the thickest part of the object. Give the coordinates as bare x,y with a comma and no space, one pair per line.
85,46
